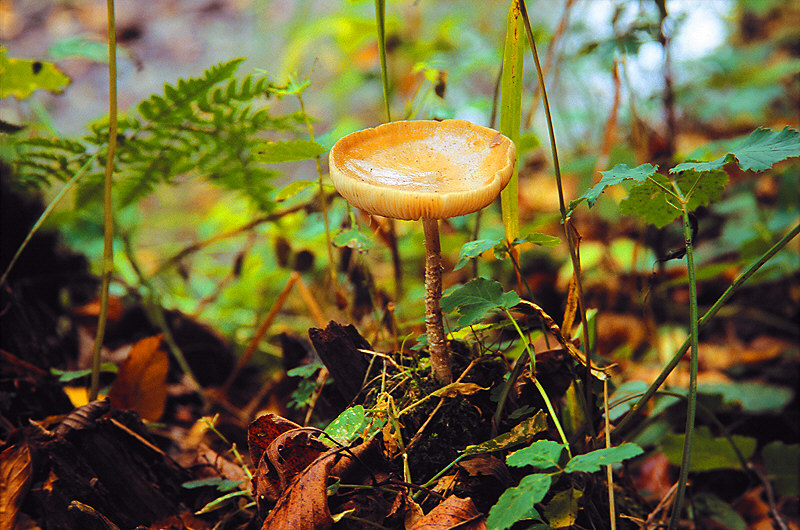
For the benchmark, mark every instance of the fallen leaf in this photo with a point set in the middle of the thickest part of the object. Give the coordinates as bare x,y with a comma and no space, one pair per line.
15,478
141,380
454,389
453,511
286,457
263,431
304,505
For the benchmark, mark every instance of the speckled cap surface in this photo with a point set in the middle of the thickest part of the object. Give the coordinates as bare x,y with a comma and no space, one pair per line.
422,169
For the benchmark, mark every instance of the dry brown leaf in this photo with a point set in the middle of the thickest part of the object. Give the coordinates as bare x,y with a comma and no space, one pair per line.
304,505
454,389
286,457
451,512
15,478
141,380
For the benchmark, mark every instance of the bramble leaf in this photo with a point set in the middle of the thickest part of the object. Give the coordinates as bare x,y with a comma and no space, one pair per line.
759,151
473,299
591,462
615,175
651,202
543,454
354,239
473,249
516,504
288,151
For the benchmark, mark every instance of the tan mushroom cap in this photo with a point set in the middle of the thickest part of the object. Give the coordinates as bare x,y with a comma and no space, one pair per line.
422,169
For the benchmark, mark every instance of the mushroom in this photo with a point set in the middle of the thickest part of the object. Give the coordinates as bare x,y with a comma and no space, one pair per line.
427,170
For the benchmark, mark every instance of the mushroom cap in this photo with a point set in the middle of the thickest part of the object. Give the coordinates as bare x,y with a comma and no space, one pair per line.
422,169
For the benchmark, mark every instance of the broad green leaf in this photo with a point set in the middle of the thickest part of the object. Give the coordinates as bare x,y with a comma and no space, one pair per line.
293,188
710,506
519,434
475,298
354,239
782,463
305,371
751,396
562,510
614,176
288,151
708,453
348,425
510,110
657,208
759,151
21,77
543,455
473,249
591,462
516,504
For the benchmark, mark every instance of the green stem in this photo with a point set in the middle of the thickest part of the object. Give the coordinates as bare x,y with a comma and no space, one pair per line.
50,207
323,201
380,19
568,230
539,387
108,218
712,311
677,507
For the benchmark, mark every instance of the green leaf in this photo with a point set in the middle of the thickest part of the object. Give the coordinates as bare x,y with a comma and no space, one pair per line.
758,152
543,240
543,455
348,425
220,502
782,462
752,396
719,511
516,504
591,462
562,510
708,453
80,46
288,151
293,188
473,249
67,376
354,239
614,176
221,484
519,434
475,298
21,77
305,371
651,202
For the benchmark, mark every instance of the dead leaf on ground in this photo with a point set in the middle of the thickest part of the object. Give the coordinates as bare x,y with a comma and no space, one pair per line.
304,505
286,457
451,512
15,478
454,389
141,380
263,431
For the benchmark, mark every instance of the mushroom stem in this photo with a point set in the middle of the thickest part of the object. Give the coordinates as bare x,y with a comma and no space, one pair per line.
437,346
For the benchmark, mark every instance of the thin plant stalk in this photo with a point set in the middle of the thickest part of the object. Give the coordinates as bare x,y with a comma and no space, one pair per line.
323,201
539,387
108,217
380,20
712,311
693,336
569,230
46,213
609,473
